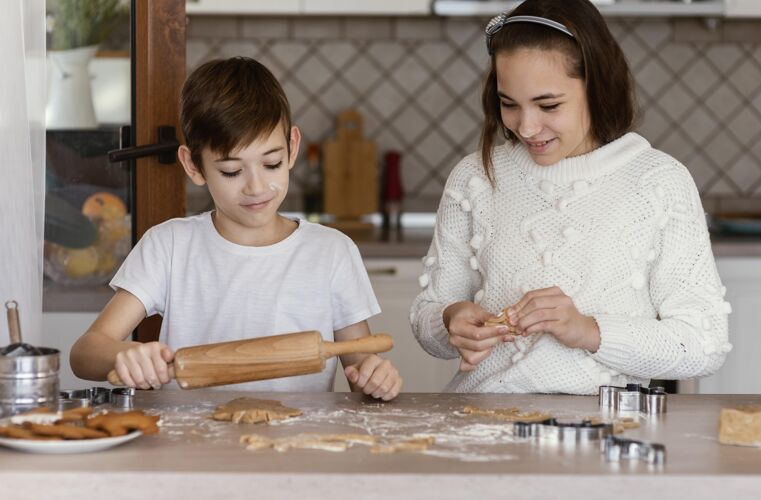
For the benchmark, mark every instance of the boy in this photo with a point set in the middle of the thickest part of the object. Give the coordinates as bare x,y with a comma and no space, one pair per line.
242,270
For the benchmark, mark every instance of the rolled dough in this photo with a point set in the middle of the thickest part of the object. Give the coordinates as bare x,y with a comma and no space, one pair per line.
251,411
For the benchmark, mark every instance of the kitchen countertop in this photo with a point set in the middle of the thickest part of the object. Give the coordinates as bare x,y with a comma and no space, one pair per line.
195,457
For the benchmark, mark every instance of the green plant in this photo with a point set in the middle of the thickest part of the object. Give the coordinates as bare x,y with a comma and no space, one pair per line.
81,23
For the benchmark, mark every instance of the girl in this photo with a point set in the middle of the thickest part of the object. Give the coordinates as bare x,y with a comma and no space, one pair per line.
596,241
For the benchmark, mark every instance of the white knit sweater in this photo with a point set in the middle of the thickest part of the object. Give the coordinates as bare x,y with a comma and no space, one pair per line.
620,230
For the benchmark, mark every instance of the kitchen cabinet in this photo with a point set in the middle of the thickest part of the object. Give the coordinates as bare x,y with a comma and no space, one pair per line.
243,7
367,7
395,282
629,8
741,373
315,7
742,8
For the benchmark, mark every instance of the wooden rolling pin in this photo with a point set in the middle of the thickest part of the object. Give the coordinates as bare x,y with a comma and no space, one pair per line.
264,358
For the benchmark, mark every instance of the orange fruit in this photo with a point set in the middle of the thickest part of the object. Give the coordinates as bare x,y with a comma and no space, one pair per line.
80,263
104,206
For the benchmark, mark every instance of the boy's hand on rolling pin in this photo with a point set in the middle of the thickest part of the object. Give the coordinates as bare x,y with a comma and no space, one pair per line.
376,377
144,366
468,334
552,311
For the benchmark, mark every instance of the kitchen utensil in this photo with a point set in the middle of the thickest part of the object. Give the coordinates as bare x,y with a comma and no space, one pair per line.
28,374
120,397
276,356
633,397
616,449
567,432
350,172
67,446
16,347
28,382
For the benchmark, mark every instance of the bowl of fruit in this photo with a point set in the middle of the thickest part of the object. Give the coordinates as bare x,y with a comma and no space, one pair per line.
85,245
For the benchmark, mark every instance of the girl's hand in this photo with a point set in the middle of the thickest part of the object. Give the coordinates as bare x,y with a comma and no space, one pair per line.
376,377
145,365
467,333
552,311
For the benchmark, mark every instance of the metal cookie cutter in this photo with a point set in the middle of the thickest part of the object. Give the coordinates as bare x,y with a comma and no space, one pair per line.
633,397
571,432
121,397
616,448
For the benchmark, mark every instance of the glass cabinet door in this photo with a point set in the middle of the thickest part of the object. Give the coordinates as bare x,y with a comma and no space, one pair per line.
87,200
115,69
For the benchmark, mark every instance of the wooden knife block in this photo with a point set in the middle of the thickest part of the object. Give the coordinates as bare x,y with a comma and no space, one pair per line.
350,176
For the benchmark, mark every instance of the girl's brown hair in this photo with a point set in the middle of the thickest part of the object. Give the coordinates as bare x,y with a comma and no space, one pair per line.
226,103
593,55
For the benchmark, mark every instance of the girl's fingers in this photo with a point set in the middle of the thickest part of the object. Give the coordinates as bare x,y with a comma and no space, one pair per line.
542,292
474,357
465,366
543,326
536,316
476,345
474,332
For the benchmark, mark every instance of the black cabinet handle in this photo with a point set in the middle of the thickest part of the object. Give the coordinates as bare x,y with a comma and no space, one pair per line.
165,148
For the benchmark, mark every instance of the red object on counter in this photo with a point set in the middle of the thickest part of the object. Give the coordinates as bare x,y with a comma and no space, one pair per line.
392,187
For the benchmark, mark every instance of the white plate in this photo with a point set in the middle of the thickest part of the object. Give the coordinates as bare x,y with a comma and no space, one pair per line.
69,446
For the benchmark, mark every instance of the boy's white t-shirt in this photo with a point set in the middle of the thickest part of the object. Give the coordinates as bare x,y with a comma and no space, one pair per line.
209,289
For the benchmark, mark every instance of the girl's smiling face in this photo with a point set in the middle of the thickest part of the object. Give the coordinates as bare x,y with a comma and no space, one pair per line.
545,108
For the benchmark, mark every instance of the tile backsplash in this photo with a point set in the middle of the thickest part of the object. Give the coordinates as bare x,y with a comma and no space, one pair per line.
417,83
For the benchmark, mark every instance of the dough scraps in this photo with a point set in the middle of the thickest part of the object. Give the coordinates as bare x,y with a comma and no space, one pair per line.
325,442
508,414
740,426
619,424
411,444
337,442
501,319
252,411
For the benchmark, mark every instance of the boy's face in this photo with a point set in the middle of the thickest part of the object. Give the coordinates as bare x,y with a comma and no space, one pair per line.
248,185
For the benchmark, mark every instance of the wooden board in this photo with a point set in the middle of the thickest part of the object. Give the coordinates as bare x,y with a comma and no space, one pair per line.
350,170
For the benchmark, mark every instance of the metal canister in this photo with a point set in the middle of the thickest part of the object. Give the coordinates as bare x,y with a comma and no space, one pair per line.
29,381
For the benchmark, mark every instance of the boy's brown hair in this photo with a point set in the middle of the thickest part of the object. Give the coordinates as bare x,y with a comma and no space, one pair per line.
226,103
593,55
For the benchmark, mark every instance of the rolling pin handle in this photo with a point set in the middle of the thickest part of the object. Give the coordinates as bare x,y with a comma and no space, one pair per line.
371,344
